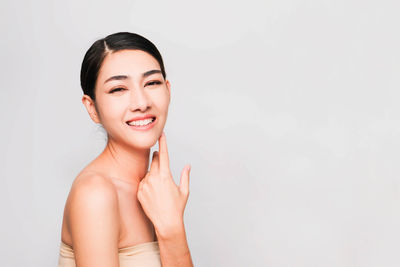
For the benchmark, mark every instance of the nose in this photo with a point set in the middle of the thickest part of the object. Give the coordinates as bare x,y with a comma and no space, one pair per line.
139,100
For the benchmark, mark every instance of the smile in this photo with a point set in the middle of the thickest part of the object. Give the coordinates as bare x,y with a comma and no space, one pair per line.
142,124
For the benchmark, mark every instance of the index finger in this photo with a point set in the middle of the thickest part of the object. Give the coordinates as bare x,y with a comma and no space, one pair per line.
154,162
163,151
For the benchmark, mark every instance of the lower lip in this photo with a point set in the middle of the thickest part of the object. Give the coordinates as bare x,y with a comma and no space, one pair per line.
143,127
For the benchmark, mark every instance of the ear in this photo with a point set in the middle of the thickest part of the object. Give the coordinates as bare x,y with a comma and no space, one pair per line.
90,107
169,88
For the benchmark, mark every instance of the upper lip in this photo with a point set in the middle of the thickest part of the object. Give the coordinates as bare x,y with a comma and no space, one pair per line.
141,118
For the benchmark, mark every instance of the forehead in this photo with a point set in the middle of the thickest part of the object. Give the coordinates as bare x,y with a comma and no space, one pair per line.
127,62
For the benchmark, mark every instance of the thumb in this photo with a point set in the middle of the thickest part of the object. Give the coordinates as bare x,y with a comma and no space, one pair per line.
184,183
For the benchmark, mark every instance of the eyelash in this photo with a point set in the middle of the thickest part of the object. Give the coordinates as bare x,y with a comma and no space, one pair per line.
120,88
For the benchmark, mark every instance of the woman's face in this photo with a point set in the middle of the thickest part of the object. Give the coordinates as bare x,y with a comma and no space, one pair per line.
130,85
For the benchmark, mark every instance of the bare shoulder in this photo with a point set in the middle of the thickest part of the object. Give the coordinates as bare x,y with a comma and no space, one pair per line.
93,220
91,191
91,178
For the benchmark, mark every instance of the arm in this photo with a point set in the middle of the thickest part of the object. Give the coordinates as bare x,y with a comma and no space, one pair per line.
174,250
164,203
94,223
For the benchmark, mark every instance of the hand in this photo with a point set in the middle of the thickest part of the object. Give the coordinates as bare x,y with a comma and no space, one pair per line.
162,200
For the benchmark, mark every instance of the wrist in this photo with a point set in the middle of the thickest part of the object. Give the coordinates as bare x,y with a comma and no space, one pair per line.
170,231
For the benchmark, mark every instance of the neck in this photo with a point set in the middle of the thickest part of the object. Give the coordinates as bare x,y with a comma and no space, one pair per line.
125,163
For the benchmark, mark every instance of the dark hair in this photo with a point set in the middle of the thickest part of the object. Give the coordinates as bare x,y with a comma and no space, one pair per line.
114,42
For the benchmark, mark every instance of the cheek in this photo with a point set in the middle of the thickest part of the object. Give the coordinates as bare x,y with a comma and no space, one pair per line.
112,109
162,100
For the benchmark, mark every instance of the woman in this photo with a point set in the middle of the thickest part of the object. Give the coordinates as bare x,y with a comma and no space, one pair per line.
118,213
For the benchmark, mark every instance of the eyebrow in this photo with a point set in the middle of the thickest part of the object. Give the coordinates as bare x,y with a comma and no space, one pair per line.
124,77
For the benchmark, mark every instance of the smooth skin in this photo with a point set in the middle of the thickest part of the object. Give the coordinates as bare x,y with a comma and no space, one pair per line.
115,202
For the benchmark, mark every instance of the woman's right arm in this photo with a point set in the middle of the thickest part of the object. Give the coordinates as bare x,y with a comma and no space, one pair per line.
94,222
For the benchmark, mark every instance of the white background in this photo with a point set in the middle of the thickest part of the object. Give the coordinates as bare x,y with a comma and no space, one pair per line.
287,110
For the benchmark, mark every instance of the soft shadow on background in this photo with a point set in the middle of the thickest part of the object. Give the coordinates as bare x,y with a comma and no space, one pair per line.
287,111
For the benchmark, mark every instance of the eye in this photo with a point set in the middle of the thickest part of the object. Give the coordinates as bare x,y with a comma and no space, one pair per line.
153,83
116,90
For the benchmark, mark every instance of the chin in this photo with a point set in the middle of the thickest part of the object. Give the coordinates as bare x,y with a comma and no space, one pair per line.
143,140
143,144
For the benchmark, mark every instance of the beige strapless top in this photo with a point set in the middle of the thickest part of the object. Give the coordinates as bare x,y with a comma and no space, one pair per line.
141,255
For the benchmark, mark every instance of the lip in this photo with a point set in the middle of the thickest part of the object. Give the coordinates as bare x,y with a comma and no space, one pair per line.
144,127
138,118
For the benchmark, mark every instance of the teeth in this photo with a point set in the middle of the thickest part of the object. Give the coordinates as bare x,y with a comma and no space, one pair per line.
140,123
